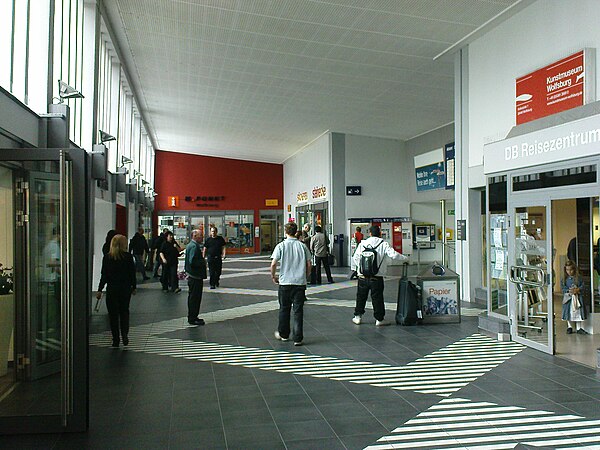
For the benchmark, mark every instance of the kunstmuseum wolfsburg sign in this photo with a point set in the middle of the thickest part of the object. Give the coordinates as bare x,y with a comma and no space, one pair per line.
567,141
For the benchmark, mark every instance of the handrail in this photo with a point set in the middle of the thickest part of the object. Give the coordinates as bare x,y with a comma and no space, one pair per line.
522,282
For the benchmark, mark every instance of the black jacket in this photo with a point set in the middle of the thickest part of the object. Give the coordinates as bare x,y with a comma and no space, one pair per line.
118,272
171,253
138,244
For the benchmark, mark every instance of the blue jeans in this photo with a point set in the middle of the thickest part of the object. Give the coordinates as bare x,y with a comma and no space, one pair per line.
291,295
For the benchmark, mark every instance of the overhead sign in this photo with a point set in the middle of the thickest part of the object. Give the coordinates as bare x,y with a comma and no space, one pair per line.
567,141
353,190
431,177
319,192
557,87
449,159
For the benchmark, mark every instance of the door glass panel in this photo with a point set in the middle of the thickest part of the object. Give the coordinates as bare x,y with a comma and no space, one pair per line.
498,251
530,272
246,233
231,233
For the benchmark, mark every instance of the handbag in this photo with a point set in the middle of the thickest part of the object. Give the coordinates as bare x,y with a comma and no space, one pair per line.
566,298
330,259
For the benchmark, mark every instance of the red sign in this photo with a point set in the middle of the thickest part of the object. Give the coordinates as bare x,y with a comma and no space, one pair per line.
173,202
551,89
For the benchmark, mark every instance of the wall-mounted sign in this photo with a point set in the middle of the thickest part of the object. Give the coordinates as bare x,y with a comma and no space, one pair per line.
271,202
461,230
173,202
302,197
121,199
319,192
431,177
449,158
557,87
353,190
450,212
289,208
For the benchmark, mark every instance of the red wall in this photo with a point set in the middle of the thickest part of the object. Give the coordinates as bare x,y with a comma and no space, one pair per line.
244,184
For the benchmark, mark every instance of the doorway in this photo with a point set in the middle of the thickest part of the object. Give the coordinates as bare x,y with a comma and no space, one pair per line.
575,234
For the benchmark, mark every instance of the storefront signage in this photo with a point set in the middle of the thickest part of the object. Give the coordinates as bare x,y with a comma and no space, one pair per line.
302,197
353,190
173,202
449,158
557,87
205,198
562,142
380,220
271,202
431,177
319,192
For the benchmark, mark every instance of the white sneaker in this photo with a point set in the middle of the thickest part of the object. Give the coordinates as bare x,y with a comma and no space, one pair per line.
381,323
278,336
357,320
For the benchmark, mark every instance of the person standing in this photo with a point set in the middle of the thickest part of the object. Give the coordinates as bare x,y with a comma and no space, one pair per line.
319,246
294,259
214,252
118,275
195,267
139,247
374,284
356,238
169,255
573,306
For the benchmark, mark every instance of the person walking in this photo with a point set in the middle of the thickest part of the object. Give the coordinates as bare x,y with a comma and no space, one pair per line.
106,247
139,247
195,267
294,259
319,246
169,255
374,283
157,244
214,252
118,275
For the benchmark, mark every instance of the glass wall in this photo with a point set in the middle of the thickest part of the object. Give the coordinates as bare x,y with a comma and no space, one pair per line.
497,245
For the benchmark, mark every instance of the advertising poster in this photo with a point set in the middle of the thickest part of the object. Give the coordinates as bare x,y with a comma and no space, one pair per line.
440,298
431,177
557,87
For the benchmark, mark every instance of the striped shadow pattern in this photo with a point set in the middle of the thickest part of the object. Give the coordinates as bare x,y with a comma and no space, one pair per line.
443,372
457,423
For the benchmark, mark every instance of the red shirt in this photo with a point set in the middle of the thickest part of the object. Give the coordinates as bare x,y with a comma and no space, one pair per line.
358,236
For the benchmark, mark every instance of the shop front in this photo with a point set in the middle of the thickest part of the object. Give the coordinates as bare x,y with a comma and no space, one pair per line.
542,211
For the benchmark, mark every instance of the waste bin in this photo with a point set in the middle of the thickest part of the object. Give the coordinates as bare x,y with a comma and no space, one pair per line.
440,293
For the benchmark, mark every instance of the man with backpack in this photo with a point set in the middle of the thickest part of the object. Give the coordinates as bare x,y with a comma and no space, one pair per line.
371,260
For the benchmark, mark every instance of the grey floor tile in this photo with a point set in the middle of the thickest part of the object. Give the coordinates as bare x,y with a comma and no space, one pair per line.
316,444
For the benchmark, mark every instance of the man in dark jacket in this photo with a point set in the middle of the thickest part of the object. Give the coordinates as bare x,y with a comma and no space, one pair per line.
156,246
139,246
195,267
214,252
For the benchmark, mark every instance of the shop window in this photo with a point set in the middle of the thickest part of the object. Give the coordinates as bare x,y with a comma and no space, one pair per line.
497,245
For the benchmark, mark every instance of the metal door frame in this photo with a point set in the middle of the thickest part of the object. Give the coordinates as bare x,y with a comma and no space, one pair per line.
74,415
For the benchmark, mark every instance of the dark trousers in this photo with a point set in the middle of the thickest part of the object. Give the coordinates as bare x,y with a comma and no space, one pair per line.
157,265
194,297
139,265
215,267
375,285
169,277
117,303
291,295
325,261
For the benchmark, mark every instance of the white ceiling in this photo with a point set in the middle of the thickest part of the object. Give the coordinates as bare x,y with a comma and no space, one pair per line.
259,79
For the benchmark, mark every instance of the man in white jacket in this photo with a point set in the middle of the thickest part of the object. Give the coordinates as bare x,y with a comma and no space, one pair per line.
373,283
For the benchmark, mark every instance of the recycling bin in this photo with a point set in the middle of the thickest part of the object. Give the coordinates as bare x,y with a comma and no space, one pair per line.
440,293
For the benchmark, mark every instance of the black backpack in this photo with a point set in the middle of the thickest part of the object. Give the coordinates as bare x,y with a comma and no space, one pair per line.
369,264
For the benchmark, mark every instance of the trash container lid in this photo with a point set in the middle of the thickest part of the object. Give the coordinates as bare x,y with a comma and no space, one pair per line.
437,271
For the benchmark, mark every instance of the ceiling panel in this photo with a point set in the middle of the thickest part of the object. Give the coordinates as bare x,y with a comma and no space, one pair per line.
259,79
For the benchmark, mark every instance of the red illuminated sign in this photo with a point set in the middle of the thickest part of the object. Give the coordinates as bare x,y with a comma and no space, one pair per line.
551,89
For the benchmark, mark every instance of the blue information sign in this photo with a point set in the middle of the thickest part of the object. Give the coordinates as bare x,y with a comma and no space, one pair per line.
431,177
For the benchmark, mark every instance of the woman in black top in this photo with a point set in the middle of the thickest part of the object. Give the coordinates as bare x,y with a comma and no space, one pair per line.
118,274
169,256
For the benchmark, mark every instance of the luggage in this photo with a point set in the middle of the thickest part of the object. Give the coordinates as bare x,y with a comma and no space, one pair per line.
409,310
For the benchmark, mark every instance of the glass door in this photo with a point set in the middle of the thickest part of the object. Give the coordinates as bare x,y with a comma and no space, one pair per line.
40,395
530,276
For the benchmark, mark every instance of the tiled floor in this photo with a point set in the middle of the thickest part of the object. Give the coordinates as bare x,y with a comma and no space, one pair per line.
231,384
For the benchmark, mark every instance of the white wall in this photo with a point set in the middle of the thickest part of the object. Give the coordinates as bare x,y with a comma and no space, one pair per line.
544,32
380,166
307,169
104,220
